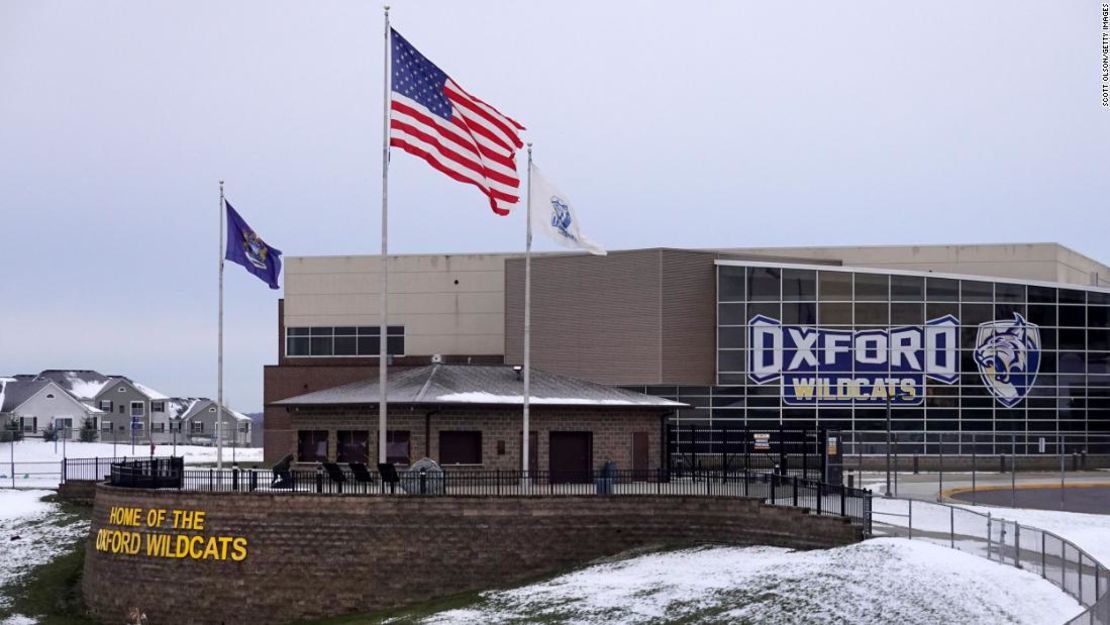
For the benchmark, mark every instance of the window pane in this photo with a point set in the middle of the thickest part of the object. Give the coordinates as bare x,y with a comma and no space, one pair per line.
907,288
731,284
971,291
395,345
296,346
368,346
799,284
800,313
298,331
369,331
345,345
901,314
397,447
394,331
942,290
834,314
345,331
460,447
1069,296
352,446
1009,292
763,283
322,331
1040,294
834,285
872,287
321,346
872,314
312,445
731,337
731,314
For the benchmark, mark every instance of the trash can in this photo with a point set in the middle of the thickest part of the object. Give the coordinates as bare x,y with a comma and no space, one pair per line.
607,478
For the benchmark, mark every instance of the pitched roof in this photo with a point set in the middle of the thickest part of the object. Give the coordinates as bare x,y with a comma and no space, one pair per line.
15,393
475,384
84,384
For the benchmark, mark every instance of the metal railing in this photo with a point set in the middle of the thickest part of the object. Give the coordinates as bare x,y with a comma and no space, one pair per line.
1053,557
96,469
792,491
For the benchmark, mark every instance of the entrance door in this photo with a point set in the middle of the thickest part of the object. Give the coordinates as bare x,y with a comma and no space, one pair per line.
640,453
571,456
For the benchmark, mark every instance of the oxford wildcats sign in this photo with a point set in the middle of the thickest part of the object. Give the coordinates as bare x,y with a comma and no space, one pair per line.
839,366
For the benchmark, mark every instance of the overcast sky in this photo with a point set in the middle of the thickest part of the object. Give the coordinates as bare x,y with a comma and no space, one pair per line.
697,124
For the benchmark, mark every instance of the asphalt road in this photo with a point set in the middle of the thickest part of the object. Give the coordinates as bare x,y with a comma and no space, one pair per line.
1094,500
1094,497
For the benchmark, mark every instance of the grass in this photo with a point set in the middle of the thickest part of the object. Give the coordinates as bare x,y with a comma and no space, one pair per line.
51,593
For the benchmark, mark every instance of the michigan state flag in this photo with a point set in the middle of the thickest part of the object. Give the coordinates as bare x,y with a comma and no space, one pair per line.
246,248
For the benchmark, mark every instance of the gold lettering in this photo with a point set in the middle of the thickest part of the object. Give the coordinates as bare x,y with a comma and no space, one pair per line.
239,549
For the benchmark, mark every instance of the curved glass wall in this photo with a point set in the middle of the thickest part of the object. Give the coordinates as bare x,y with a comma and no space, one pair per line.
802,348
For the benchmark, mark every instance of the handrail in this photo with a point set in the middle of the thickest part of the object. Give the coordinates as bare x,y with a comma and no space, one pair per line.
1081,566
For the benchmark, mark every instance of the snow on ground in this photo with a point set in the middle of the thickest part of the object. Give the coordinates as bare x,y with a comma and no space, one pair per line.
32,532
1090,531
38,464
884,580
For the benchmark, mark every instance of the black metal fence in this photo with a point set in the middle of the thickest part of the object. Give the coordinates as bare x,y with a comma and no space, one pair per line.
781,490
722,446
96,469
149,473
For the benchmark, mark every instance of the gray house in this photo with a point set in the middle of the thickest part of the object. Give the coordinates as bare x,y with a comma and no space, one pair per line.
131,407
198,424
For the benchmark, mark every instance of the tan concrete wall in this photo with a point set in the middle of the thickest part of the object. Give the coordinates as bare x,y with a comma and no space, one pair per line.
448,304
1049,262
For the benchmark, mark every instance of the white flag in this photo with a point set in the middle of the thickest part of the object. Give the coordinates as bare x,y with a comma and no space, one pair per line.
553,214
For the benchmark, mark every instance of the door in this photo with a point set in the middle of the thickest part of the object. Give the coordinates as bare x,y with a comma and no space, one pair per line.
571,456
640,454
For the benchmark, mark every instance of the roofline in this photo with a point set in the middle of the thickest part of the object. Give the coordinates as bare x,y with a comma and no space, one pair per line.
674,405
906,272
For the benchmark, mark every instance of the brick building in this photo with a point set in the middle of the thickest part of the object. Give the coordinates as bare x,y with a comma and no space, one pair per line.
470,416
984,349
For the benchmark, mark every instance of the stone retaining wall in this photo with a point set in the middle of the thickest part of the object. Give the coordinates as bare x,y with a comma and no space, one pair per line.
310,556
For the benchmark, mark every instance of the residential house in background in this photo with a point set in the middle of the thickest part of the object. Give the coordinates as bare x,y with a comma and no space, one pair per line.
133,406
36,404
198,424
116,406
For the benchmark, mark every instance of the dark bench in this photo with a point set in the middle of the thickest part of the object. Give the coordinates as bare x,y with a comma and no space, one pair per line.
335,474
361,473
283,478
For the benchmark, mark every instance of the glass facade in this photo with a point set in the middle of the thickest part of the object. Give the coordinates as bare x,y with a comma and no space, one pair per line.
805,348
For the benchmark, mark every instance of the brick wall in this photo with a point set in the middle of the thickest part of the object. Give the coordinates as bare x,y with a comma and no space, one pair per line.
312,556
612,431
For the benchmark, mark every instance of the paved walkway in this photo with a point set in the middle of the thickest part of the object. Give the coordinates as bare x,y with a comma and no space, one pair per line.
1085,491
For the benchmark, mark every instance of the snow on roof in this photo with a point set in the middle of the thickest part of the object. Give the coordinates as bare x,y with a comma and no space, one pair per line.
149,392
81,383
475,384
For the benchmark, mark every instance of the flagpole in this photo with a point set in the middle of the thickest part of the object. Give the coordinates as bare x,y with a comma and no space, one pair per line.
383,402
527,314
220,348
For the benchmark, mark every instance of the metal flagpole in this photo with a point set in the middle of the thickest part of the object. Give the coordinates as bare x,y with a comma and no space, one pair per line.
220,347
527,314
383,402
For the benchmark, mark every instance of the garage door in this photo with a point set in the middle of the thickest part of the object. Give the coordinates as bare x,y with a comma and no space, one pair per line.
571,455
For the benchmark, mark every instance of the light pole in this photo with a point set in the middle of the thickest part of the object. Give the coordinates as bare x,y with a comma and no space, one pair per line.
888,428
11,441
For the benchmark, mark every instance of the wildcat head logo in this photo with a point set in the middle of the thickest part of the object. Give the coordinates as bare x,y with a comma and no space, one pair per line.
1008,354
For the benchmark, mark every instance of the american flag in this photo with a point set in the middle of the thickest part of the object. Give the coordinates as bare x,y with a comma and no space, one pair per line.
432,117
